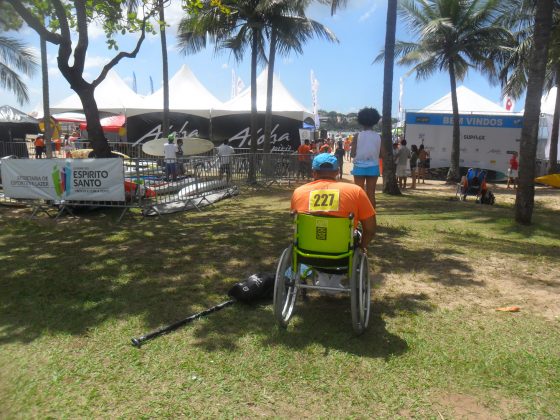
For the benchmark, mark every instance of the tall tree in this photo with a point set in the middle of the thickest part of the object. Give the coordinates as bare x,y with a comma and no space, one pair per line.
15,57
233,25
390,184
288,30
66,18
453,35
525,197
519,15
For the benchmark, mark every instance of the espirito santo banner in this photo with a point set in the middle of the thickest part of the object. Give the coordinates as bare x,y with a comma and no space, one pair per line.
64,179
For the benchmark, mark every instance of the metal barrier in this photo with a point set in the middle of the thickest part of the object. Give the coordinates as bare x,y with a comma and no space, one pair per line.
155,186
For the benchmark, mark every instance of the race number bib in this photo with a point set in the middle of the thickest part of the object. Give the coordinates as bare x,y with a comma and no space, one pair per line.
324,200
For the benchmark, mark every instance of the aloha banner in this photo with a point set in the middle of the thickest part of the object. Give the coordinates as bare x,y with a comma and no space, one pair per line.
64,179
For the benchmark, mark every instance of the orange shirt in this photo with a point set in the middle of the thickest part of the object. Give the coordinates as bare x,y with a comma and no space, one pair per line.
327,196
304,151
39,142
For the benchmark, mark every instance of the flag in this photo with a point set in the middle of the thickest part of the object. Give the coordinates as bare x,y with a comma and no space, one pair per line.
509,103
134,88
151,85
314,90
233,90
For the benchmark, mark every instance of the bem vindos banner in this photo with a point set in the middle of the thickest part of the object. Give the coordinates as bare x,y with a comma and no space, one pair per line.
64,179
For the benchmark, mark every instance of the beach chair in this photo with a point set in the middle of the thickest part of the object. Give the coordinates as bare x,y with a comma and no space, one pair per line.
474,184
323,247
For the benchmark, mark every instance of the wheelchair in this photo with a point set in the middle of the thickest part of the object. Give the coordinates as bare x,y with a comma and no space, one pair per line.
474,184
323,244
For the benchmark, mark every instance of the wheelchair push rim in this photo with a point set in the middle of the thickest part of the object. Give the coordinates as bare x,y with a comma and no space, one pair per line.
360,293
285,290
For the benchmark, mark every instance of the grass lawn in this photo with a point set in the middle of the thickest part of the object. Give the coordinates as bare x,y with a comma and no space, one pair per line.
73,293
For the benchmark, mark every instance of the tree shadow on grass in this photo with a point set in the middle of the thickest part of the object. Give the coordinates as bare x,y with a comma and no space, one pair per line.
389,254
323,320
71,277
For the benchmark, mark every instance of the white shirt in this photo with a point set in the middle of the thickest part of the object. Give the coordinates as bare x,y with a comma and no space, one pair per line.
224,152
170,152
369,146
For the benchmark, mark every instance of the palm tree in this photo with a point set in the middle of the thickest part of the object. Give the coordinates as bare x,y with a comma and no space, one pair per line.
15,58
525,197
453,35
390,184
519,14
288,29
233,25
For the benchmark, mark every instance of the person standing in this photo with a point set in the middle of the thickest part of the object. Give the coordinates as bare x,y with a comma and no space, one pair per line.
401,159
39,146
339,153
180,161
512,170
413,165
225,151
170,158
304,160
366,150
423,157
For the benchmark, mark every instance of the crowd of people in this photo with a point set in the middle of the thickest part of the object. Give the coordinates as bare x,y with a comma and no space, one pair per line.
61,146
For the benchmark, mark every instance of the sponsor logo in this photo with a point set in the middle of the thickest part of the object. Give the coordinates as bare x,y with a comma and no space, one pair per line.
61,179
278,141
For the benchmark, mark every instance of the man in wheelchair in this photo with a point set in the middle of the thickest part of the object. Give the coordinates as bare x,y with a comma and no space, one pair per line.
327,218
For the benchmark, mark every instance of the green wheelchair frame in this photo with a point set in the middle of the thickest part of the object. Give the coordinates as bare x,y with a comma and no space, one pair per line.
323,243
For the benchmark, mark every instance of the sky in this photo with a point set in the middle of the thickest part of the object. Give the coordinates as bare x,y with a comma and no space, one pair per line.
348,78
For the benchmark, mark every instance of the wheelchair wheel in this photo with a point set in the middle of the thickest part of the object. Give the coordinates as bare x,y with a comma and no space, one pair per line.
360,293
285,291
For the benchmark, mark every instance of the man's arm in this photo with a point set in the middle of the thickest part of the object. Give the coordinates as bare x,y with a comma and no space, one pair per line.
368,231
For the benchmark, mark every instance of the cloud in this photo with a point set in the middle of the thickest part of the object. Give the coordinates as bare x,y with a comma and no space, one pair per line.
287,60
368,13
93,62
225,65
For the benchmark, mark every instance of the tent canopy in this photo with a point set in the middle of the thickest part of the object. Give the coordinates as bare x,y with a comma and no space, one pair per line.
186,94
110,124
112,95
548,102
469,102
283,103
11,115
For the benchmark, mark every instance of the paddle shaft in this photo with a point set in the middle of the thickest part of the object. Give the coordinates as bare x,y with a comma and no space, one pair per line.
137,342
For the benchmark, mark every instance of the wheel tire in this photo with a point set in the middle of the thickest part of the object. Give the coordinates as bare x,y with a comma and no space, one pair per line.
285,291
360,293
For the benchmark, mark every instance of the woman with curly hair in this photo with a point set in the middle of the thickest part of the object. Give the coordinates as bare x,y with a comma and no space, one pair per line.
366,150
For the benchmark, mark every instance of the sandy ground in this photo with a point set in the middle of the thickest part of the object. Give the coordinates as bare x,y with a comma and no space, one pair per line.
499,282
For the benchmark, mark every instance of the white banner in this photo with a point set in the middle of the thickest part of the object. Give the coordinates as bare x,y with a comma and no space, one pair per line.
487,141
64,179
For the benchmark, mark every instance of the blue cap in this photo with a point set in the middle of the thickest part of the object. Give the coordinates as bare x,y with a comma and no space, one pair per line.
326,162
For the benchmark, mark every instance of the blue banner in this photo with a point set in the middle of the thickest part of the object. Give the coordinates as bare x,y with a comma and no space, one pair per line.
476,120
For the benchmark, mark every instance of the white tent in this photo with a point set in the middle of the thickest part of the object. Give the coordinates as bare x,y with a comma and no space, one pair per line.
186,94
548,103
469,103
112,95
283,103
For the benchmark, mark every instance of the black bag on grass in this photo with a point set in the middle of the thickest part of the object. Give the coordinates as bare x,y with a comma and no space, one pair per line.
257,286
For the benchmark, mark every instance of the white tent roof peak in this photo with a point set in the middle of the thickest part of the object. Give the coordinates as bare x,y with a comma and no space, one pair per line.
185,93
283,103
469,102
112,95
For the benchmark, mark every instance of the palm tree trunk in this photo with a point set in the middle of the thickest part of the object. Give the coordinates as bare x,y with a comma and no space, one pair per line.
525,197
269,89
390,185
453,173
165,63
46,104
553,152
252,166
